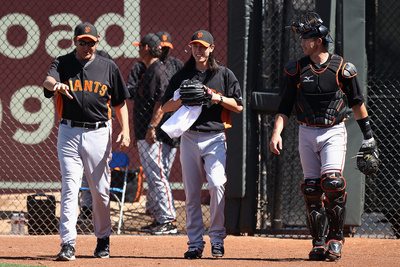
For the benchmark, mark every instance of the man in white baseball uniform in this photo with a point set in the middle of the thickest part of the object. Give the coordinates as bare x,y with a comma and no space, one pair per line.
321,86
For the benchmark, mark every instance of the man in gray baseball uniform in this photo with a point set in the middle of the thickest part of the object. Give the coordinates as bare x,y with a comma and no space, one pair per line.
86,85
203,145
147,82
321,86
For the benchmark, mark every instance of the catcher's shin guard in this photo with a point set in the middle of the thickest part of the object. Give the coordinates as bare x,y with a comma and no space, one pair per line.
317,219
334,249
334,186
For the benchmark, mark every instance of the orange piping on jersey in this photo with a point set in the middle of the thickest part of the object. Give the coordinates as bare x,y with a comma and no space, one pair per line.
226,118
59,105
109,110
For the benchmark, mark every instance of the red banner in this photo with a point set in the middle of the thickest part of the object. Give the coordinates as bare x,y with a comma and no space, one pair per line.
33,33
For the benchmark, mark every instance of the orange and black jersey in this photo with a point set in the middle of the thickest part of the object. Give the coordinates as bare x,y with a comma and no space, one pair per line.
94,85
213,117
291,83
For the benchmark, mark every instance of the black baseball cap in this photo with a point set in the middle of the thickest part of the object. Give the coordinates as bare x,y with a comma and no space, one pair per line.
165,38
203,37
151,40
85,29
317,32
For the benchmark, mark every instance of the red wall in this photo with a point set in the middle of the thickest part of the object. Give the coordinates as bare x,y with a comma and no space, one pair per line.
24,55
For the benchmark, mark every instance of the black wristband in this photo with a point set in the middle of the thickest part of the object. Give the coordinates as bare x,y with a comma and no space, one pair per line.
365,127
220,99
151,127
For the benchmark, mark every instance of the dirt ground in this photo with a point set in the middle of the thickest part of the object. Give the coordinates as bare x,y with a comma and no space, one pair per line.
133,250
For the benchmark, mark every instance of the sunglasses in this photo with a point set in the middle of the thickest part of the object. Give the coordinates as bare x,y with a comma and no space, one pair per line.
90,44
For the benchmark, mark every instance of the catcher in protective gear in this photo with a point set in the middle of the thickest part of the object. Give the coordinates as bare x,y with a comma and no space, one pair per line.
194,93
367,157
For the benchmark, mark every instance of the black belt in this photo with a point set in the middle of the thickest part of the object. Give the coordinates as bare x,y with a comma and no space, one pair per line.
198,131
86,125
315,126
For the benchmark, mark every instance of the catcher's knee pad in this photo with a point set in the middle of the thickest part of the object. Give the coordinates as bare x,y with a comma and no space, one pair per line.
316,214
334,186
333,182
312,191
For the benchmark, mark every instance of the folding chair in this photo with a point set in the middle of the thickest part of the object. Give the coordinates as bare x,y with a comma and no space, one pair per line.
120,161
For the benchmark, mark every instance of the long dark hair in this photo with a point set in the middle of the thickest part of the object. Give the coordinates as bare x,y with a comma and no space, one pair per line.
213,63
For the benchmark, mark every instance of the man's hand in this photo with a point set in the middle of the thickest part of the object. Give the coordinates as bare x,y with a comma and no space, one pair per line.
151,136
62,89
124,140
275,145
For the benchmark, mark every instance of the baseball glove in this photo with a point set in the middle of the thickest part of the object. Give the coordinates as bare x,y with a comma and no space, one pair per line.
193,93
367,157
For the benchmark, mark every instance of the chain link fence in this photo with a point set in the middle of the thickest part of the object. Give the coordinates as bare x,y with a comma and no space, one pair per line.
283,211
383,189
33,34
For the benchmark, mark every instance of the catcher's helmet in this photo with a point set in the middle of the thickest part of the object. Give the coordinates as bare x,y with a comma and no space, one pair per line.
310,26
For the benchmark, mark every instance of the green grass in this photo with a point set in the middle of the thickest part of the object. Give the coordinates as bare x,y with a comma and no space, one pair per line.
17,265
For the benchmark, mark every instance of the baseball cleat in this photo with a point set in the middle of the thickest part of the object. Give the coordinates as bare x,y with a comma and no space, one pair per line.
150,227
334,249
318,253
164,229
193,253
67,253
103,248
217,250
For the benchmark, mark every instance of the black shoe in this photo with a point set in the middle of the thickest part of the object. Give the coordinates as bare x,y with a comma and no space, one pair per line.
334,249
318,253
217,250
150,227
164,229
103,248
193,253
67,253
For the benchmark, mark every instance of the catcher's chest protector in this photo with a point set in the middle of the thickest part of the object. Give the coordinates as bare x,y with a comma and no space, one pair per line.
320,100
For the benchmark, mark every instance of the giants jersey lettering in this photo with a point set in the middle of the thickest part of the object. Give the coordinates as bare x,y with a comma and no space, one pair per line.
94,87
